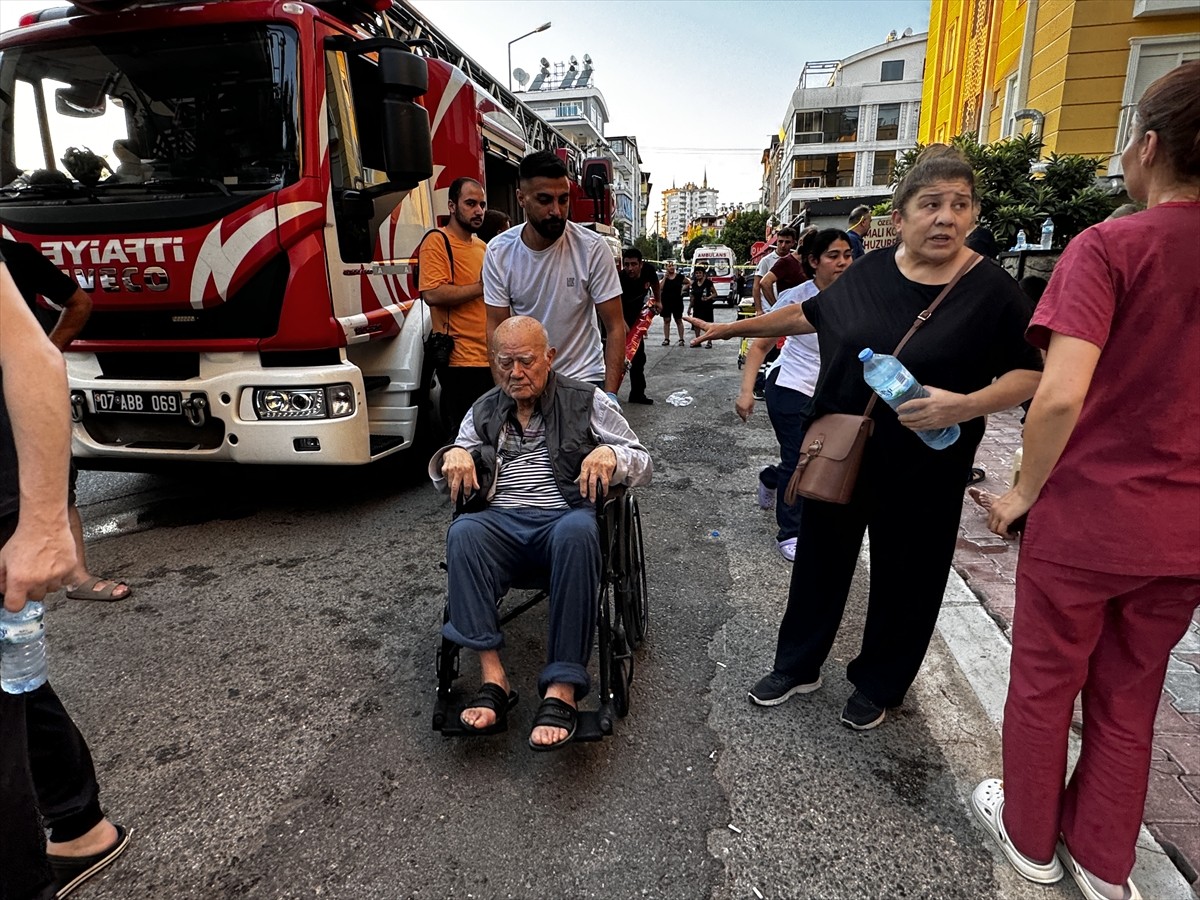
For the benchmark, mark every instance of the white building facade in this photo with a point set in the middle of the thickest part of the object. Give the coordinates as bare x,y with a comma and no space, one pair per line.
846,124
682,204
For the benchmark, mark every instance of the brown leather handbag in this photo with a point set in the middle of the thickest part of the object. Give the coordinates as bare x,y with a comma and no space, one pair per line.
834,444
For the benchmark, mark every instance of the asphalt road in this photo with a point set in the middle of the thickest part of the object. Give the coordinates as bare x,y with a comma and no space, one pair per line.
259,710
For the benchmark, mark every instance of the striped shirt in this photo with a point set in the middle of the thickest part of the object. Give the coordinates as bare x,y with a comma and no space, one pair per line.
524,476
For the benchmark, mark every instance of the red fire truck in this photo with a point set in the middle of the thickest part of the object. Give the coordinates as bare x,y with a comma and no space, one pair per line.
246,230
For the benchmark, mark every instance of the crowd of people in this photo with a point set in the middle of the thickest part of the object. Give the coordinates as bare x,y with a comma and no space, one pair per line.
534,326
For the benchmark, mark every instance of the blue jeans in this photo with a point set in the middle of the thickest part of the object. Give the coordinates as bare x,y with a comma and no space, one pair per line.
487,551
791,412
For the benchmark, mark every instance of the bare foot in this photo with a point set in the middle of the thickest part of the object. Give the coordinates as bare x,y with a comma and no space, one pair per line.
481,717
99,587
100,838
544,735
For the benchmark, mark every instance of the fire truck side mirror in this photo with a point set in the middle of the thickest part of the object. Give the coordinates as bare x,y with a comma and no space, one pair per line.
393,129
406,140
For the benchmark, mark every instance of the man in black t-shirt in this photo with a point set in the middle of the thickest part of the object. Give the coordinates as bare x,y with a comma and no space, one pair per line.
637,279
35,276
45,766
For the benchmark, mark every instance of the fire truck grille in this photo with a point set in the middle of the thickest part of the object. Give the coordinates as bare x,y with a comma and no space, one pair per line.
252,312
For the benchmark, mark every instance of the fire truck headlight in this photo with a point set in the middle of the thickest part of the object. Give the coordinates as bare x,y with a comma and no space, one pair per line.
339,400
290,403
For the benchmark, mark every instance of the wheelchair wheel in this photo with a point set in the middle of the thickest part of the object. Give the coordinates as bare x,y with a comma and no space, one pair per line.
615,656
634,610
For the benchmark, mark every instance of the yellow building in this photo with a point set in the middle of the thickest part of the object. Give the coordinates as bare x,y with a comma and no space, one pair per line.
1081,65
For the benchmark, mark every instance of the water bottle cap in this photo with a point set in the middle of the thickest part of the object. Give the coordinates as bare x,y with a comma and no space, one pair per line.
865,354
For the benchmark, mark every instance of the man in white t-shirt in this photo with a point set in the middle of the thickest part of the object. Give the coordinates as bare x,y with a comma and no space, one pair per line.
559,273
785,241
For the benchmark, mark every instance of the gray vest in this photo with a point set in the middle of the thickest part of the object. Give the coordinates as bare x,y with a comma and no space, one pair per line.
566,406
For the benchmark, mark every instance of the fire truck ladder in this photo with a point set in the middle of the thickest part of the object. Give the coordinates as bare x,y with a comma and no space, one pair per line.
409,25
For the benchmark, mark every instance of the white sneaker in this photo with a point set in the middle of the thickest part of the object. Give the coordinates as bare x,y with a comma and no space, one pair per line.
1085,879
987,802
787,549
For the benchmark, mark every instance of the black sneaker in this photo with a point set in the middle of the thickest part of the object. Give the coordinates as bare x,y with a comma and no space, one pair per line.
861,714
643,399
775,688
759,394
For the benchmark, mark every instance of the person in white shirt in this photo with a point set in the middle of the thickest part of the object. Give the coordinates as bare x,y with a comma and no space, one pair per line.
785,241
791,383
559,273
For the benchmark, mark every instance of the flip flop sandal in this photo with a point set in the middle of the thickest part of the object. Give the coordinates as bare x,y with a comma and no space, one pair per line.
490,696
87,591
666,343
977,475
72,871
555,713
1080,874
987,803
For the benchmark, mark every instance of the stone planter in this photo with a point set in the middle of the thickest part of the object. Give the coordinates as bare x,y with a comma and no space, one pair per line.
1031,261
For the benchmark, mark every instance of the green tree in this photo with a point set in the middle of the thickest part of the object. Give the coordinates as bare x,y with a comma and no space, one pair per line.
700,240
1011,197
652,246
742,231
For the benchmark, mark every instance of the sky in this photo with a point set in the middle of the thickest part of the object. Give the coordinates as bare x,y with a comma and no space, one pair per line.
703,84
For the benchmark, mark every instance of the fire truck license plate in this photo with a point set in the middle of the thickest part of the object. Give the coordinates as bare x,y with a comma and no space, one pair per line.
154,403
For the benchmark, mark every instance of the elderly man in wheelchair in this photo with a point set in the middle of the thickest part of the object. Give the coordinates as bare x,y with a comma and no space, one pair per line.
531,460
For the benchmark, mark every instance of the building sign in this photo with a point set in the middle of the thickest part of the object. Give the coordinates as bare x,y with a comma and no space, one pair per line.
882,234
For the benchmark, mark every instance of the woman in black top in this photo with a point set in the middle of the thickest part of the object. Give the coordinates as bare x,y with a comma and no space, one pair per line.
703,296
973,359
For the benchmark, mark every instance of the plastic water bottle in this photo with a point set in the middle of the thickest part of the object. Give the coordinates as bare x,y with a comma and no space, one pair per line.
23,649
895,385
1047,233
1021,245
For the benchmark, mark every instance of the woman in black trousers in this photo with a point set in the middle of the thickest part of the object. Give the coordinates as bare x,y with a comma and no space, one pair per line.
972,356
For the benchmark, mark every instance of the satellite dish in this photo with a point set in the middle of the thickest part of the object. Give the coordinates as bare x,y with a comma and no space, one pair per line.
574,61
587,59
908,31
521,75
545,63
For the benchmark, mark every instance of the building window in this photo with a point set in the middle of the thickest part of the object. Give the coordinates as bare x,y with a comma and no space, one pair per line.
1149,59
840,124
567,109
826,170
891,70
809,171
885,165
1008,125
797,209
808,127
950,47
887,124
618,147
845,169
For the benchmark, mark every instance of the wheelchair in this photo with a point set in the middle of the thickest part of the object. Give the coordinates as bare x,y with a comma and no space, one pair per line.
621,623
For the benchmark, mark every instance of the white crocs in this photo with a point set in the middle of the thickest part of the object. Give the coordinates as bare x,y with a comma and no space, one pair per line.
1083,878
987,802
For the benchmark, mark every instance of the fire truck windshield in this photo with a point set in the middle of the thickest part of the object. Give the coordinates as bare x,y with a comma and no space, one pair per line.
145,114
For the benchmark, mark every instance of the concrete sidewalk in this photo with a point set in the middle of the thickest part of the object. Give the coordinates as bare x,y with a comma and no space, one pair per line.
987,564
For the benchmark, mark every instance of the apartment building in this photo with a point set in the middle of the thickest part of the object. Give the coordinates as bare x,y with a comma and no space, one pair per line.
1073,70
843,130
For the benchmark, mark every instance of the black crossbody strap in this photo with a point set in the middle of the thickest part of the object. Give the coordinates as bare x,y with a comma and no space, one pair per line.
449,256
